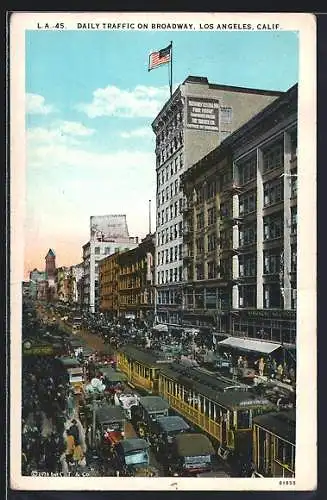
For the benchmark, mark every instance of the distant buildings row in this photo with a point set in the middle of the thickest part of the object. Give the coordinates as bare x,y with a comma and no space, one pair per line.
225,250
79,284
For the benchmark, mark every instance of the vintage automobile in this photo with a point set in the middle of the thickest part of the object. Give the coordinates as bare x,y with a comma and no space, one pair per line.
75,373
149,409
111,377
77,323
164,432
109,428
192,454
131,457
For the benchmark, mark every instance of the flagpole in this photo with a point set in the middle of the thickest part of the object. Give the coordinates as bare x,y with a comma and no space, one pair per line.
171,69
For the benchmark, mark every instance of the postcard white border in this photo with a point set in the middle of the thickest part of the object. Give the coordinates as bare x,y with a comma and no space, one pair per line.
306,433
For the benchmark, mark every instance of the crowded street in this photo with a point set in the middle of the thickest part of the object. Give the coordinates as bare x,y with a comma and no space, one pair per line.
70,393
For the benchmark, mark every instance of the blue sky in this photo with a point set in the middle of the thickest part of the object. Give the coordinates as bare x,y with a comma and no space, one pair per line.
90,103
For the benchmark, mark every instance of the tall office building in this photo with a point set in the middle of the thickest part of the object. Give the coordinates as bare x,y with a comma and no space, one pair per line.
193,122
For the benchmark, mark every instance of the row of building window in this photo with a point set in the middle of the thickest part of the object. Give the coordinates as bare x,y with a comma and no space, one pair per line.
209,190
171,254
170,191
165,173
272,296
247,264
273,192
208,298
169,129
174,275
206,191
170,233
169,297
272,262
272,157
169,213
109,250
275,331
247,203
273,228
214,270
168,150
211,243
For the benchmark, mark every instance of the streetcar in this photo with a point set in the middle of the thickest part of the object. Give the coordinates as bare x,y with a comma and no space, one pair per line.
141,367
224,409
274,444
225,412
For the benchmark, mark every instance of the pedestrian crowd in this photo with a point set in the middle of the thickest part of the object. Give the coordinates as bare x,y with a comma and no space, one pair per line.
51,441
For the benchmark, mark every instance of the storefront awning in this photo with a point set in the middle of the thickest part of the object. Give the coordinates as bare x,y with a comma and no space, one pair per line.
250,345
160,328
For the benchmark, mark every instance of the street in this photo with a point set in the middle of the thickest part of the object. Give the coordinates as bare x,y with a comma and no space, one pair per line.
52,431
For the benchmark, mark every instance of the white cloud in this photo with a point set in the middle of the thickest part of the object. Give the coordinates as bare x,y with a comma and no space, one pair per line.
61,132
138,132
67,182
35,105
75,128
142,101
50,147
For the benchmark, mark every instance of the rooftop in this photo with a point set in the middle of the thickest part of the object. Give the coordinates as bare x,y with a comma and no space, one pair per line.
154,403
193,445
172,423
50,253
202,80
134,444
282,423
109,226
106,414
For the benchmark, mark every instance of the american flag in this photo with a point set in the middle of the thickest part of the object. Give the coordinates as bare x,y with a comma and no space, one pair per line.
159,57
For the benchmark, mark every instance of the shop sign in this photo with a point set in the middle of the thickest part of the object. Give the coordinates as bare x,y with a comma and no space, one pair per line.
269,314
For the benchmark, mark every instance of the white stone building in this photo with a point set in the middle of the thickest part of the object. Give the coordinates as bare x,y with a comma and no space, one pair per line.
108,234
